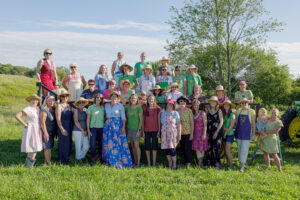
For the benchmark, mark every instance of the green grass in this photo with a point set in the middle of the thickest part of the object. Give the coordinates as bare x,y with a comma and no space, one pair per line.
87,181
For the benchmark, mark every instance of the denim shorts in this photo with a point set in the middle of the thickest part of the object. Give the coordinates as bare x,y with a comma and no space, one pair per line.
228,139
131,135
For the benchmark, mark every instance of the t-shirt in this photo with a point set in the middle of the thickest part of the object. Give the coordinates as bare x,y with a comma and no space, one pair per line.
180,81
161,98
107,92
245,112
138,66
126,96
164,82
192,80
96,116
87,94
227,123
133,118
185,119
151,121
247,94
129,77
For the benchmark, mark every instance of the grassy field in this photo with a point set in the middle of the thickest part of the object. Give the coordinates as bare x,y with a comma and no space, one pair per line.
87,181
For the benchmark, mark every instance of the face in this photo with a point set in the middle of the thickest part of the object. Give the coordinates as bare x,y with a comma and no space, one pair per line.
165,62
98,99
81,104
274,113
212,103
182,102
73,68
34,102
112,85
151,100
134,99
126,70
92,85
48,54
174,89
50,102
143,57
244,104
220,93
177,73
103,69
197,90
120,56
114,98
242,87
147,71
164,70
196,105
169,106
226,106
126,85
64,98
143,96
156,91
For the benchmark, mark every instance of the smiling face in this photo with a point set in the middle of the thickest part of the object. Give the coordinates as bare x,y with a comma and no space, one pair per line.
165,63
92,86
147,72
50,102
244,105
64,98
120,56
73,69
164,71
103,69
274,113
213,104
196,105
126,70
151,100
81,104
114,98
48,54
242,87
112,85
34,102
143,57
226,107
220,93
125,86
197,90
133,99
143,96
174,89
182,102
170,107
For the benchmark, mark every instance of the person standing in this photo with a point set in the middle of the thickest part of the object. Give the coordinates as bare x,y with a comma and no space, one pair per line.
165,61
243,93
220,93
115,71
32,134
138,67
101,79
147,81
192,78
164,80
46,72
180,80
197,94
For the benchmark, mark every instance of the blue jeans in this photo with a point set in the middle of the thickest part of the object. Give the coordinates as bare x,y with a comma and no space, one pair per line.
97,135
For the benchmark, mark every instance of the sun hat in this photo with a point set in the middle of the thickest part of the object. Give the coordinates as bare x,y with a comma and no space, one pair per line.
174,85
114,93
157,87
183,98
244,100
63,91
81,99
192,67
213,98
165,58
228,102
147,67
33,96
220,88
242,83
125,65
123,82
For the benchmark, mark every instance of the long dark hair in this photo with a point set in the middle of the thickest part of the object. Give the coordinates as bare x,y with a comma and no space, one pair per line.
148,105
224,111
195,101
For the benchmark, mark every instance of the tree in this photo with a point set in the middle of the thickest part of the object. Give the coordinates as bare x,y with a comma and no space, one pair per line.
223,24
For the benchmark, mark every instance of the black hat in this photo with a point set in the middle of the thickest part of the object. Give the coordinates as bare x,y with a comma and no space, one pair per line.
183,98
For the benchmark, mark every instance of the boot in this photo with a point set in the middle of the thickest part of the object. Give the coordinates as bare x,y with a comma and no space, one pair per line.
200,161
29,163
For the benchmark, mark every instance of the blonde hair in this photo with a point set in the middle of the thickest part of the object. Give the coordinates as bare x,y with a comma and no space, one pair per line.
261,110
137,102
45,102
100,68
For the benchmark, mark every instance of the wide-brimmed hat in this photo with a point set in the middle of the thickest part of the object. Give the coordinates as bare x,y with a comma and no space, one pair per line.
183,98
220,88
165,58
147,67
157,87
125,81
63,92
228,102
125,65
244,100
33,96
114,93
174,85
213,98
192,67
81,99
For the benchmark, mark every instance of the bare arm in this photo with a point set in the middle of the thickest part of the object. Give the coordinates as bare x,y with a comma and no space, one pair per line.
251,100
113,67
123,129
185,87
159,122
221,120
135,72
204,117
64,82
276,130
18,117
83,82
178,131
43,117
38,69
192,128
253,125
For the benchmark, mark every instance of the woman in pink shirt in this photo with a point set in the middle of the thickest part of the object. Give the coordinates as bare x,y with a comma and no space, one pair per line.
111,88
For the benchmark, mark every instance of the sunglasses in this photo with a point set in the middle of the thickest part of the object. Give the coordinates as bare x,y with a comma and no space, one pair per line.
180,101
91,84
164,69
49,53
72,67
244,103
64,96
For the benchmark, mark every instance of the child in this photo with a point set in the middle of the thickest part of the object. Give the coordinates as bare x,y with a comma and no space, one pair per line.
170,132
192,78
159,95
260,125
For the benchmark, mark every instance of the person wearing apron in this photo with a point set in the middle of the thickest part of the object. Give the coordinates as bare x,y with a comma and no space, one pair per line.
164,80
115,71
147,81
244,127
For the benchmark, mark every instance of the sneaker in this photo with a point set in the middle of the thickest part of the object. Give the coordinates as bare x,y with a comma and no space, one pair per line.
242,169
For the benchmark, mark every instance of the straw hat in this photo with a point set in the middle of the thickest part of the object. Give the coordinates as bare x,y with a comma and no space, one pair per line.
165,58
228,102
147,67
192,67
157,87
81,99
33,96
213,98
114,93
125,81
244,100
174,85
183,98
125,65
63,92
220,88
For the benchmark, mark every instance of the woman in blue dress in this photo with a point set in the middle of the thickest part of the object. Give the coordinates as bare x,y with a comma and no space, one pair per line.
64,117
115,150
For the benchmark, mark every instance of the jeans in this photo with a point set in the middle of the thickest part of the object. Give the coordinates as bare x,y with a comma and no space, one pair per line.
97,136
81,144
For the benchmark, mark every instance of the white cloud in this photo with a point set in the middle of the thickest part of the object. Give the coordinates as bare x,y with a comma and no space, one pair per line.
121,25
88,50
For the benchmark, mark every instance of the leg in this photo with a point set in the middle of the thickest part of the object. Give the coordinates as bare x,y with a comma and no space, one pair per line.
154,147
169,158
133,151
138,152
30,160
100,143
47,155
277,161
148,157
78,144
85,146
148,146
154,154
267,159
93,143
173,157
228,154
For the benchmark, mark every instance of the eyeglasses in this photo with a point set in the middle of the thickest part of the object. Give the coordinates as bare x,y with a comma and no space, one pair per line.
64,96
49,53
164,69
72,67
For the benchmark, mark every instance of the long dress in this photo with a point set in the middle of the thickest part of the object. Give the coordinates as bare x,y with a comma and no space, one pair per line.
65,142
214,145
198,144
169,130
115,151
32,135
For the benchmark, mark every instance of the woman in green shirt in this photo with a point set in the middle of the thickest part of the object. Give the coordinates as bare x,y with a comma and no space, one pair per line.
95,124
134,114
269,144
180,80
228,134
140,65
126,91
159,94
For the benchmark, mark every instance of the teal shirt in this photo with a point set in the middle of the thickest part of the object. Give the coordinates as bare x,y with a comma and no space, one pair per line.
96,116
227,123
192,80
180,81
138,66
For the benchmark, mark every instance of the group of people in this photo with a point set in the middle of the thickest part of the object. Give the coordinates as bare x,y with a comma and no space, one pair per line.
169,105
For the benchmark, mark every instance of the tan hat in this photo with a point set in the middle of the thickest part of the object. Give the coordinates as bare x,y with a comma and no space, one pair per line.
192,67
114,93
125,81
165,58
63,92
213,98
157,87
228,102
81,99
220,88
244,100
174,85
147,67
125,65
33,96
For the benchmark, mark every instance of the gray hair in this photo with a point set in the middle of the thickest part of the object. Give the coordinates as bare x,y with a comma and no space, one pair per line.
46,51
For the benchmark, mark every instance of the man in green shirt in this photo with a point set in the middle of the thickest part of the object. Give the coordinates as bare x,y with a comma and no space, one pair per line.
243,93
192,78
140,65
125,69
180,80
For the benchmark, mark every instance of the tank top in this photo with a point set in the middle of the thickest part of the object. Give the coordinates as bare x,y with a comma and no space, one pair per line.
50,120
118,65
81,119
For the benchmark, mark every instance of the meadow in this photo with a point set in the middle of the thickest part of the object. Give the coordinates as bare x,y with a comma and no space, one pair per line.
95,181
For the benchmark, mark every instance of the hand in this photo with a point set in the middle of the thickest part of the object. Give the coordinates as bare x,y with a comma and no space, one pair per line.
25,125
215,135
204,137
84,133
191,137
46,137
158,134
123,131
224,136
64,132
143,134
137,134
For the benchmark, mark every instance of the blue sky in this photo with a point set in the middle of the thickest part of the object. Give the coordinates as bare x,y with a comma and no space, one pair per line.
92,32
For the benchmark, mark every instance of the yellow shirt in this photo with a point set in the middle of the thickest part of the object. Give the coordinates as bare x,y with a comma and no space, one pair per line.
185,120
